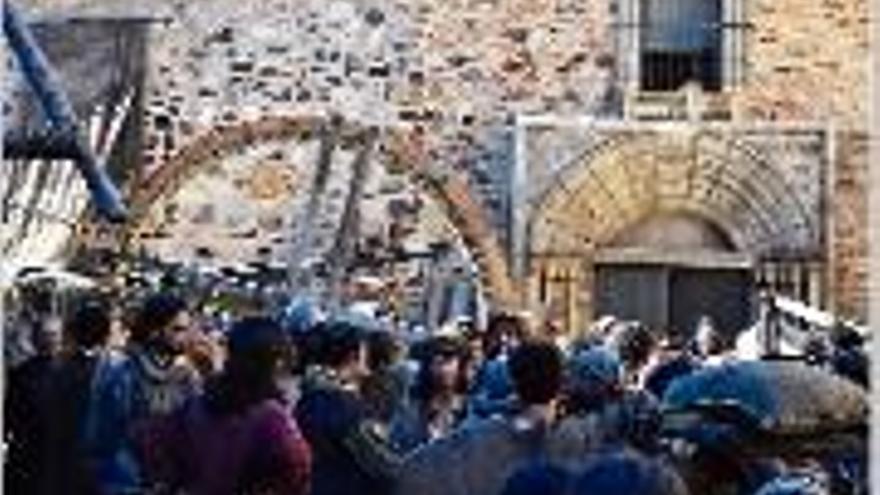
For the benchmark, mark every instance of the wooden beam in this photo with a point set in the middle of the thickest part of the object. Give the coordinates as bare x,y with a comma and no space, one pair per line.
329,133
349,226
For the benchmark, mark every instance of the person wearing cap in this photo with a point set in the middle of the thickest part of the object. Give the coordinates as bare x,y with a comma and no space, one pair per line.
436,404
350,454
239,436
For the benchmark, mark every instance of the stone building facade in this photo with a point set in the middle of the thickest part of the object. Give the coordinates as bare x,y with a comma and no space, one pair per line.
555,134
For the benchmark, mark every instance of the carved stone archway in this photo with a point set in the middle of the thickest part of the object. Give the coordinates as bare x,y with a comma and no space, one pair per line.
705,174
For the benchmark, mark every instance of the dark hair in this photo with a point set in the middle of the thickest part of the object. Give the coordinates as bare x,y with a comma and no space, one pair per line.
636,344
626,472
339,342
257,346
155,314
308,348
718,342
536,369
382,347
496,328
424,386
89,326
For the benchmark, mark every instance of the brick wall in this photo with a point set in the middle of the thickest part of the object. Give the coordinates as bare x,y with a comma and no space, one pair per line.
849,245
806,60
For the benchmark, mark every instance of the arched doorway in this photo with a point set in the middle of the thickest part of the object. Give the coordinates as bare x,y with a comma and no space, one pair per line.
704,208
670,269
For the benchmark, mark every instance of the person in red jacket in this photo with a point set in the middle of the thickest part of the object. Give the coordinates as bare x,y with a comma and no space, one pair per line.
239,436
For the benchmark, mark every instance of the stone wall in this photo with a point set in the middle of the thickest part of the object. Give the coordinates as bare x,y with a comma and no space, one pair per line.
849,213
806,60
461,69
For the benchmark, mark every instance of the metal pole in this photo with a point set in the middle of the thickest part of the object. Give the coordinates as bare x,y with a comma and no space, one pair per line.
517,197
59,111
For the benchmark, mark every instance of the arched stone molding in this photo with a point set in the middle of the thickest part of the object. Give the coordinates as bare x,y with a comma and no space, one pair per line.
631,176
399,147
707,174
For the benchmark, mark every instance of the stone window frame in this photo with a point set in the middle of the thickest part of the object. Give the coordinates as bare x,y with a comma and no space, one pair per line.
627,28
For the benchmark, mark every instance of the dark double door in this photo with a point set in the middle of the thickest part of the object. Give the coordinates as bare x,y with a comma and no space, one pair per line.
674,297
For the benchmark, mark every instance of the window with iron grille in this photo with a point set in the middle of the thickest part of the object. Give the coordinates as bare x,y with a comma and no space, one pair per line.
664,44
680,43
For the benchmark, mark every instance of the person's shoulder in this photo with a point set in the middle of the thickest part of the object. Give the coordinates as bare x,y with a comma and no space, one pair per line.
322,396
406,413
114,366
571,439
183,371
26,369
640,397
458,443
273,416
332,408
272,409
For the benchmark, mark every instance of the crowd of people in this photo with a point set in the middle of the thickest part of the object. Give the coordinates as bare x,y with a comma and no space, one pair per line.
305,403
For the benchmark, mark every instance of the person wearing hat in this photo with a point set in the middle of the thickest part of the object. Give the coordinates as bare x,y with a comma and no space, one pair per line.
436,404
239,436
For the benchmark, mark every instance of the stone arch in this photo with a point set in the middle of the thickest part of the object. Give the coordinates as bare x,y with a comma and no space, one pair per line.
401,147
634,174
705,174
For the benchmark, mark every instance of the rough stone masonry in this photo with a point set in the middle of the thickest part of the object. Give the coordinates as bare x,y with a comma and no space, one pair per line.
462,71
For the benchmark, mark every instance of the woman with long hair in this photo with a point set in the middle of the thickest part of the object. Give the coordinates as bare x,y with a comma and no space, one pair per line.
437,399
239,436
